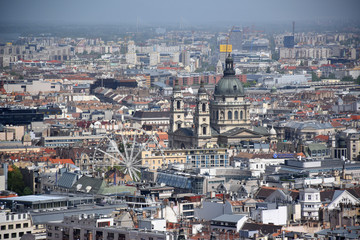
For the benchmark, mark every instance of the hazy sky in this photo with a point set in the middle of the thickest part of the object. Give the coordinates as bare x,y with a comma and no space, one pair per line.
170,11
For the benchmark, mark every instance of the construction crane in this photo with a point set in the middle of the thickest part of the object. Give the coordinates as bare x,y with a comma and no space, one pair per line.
228,37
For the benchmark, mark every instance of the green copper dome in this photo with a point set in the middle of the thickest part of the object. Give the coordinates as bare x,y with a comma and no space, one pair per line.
229,85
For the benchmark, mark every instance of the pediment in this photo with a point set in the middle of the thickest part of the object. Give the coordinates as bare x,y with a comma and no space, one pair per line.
241,132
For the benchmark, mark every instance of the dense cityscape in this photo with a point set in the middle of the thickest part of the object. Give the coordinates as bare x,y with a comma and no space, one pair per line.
236,130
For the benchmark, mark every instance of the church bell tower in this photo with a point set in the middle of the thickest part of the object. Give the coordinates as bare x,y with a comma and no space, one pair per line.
177,112
202,118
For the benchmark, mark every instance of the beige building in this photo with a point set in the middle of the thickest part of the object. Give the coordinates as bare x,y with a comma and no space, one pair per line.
14,225
32,87
306,130
11,133
346,145
207,157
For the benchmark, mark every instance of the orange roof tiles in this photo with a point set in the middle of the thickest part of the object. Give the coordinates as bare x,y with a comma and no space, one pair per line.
336,124
162,136
323,138
61,161
355,117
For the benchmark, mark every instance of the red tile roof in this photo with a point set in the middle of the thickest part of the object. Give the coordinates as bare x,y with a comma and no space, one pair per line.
336,124
61,161
323,138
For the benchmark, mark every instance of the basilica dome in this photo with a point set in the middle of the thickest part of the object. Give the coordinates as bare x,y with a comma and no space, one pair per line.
229,85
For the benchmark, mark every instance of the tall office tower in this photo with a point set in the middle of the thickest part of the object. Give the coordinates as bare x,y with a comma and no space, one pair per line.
236,38
289,41
185,58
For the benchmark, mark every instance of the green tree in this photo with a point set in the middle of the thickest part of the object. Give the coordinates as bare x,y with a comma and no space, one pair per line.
27,191
357,81
16,181
314,77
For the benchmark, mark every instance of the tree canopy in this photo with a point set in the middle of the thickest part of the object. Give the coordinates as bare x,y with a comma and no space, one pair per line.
16,182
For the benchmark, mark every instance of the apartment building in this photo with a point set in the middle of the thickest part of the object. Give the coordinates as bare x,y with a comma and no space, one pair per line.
209,157
14,225
91,227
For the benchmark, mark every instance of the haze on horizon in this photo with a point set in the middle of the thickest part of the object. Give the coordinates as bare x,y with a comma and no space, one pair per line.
173,12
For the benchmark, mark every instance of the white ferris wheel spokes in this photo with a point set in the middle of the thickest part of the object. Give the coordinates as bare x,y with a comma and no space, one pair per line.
123,148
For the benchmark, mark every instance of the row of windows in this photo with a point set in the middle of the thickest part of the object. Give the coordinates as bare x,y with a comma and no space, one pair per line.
309,206
230,115
203,157
169,161
12,216
11,226
13,235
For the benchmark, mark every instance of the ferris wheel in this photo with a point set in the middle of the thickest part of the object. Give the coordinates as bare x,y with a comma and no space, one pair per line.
123,148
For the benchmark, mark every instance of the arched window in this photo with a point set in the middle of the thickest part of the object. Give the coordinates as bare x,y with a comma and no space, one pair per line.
229,115
178,104
179,125
204,131
241,114
222,115
203,107
236,115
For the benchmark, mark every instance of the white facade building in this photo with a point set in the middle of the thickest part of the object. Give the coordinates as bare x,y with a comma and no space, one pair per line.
310,203
276,216
32,87
14,225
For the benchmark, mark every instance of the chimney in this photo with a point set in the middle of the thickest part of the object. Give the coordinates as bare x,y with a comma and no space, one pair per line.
144,214
90,236
157,213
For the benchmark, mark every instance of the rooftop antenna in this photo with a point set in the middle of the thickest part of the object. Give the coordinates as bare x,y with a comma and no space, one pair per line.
293,23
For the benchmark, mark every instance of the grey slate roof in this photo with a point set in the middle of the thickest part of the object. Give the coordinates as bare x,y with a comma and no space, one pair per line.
309,124
260,130
238,130
348,232
186,131
234,218
214,132
81,185
44,217
67,180
150,114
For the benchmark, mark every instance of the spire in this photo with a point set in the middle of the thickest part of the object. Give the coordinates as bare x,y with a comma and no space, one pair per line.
229,66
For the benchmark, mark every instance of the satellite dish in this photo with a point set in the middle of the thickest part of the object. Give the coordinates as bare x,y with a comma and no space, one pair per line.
88,188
